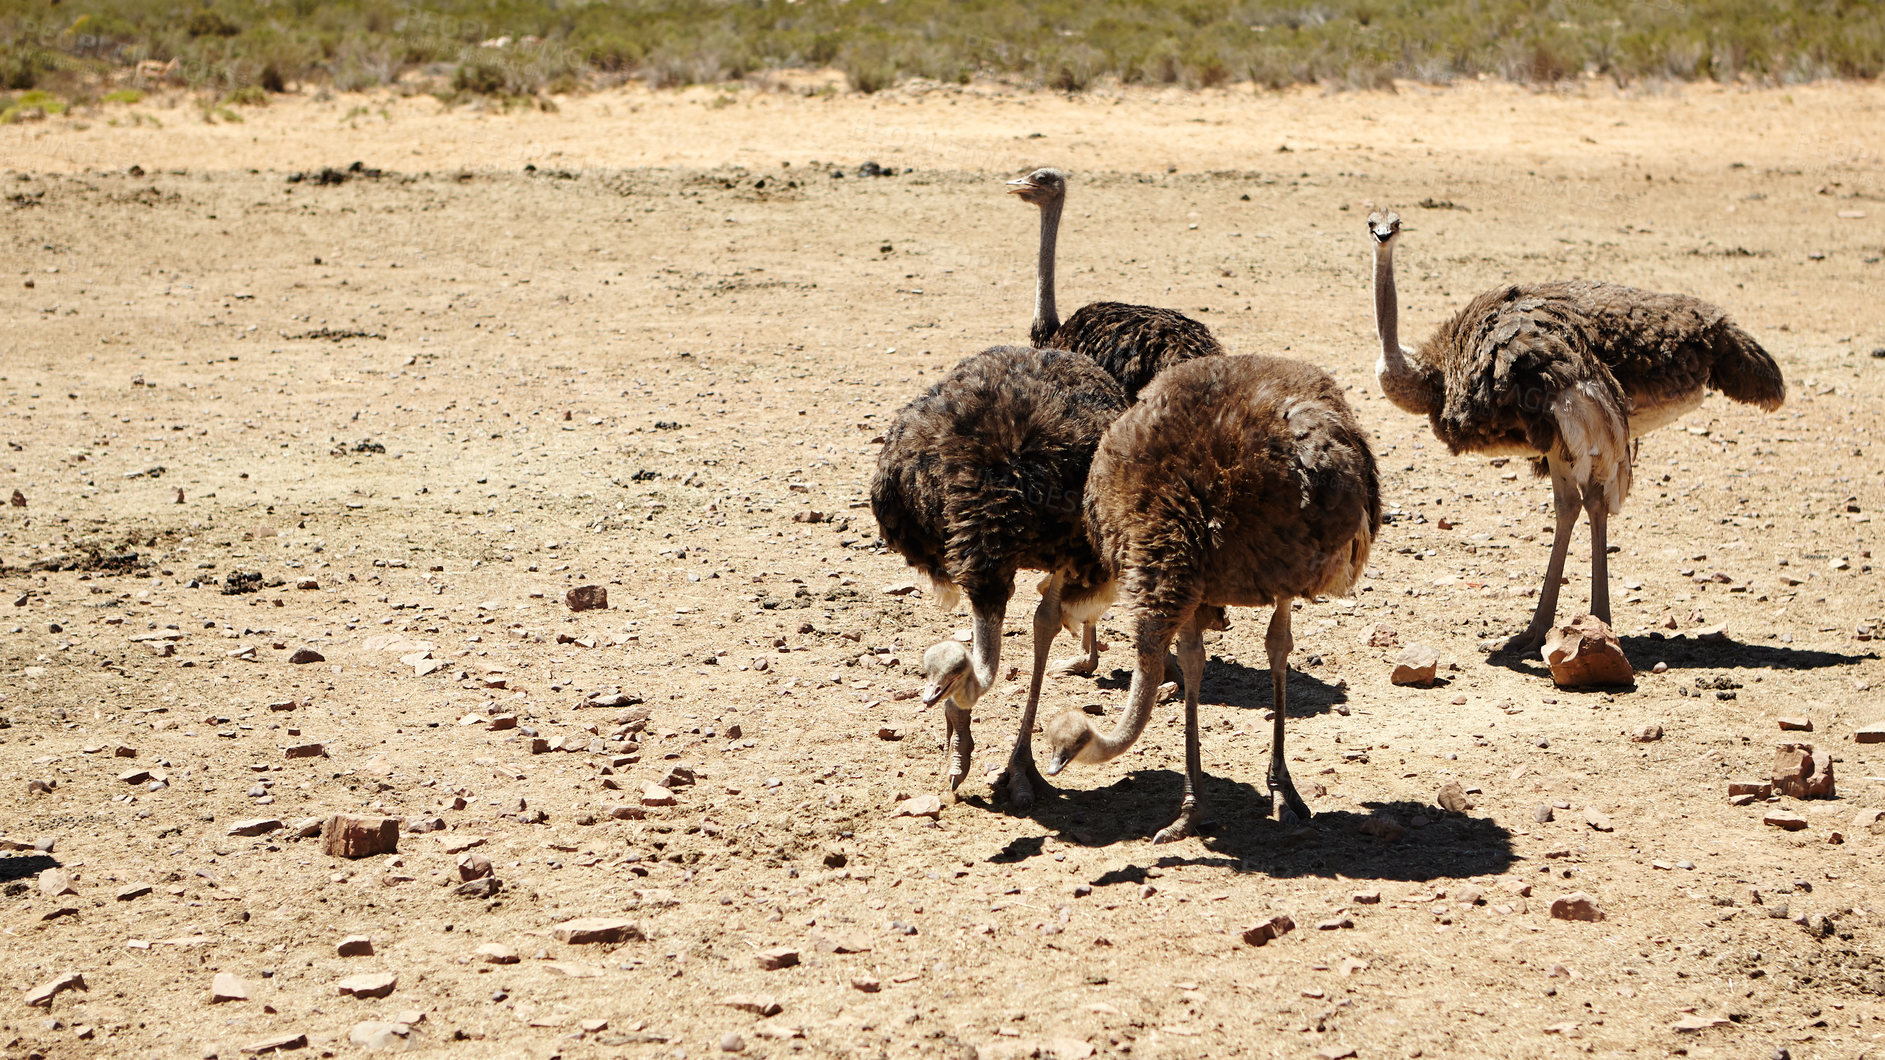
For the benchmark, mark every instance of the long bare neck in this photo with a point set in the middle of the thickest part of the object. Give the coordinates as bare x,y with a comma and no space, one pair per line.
1046,316
1146,675
1405,382
985,650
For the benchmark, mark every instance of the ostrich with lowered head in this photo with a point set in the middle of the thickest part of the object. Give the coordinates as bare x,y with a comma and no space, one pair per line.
1132,342
1567,374
983,475
1235,480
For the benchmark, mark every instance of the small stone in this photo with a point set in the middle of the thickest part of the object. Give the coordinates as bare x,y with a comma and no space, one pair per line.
1596,819
480,888
595,1026
307,827
496,953
1795,724
891,733
1871,819
281,1043
1368,897
1693,1022
865,984
1586,652
41,996
473,866
135,891
586,598
1874,733
56,882
1269,930
349,836
422,825
227,986
594,929
757,1004
774,959
731,1042
368,984
1335,923
920,806
255,826
1784,819
303,656
1543,814
307,750
1415,665
1802,774
1760,789
379,1035
1648,734
1469,894
1453,797
354,946
1576,906
828,940
653,794
1381,637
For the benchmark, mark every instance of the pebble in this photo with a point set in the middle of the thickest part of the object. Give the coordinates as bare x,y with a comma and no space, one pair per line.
653,794
354,946
1453,797
1576,906
1596,819
774,959
303,656
368,984
757,1004
920,806
1795,724
1873,733
1648,734
1784,819
731,1042
586,598
473,866
496,953
865,984
1415,665
306,750
255,826
136,890
1544,813
1368,897
1269,930
56,882
41,996
376,1035
280,1043
227,986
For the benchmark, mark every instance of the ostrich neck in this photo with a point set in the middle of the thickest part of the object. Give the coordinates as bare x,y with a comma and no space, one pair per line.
985,650
1404,382
1105,746
1046,316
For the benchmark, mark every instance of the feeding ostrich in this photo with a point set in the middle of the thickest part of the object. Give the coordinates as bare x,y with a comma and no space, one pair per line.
1132,342
1239,481
980,476
1567,374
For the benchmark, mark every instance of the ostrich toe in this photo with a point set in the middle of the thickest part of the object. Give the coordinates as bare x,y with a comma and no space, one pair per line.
959,745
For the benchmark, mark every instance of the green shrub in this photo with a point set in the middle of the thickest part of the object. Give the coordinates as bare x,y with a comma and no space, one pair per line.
124,95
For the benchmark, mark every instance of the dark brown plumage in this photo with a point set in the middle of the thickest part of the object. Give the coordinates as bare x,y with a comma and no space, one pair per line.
1566,373
1132,342
983,475
1235,481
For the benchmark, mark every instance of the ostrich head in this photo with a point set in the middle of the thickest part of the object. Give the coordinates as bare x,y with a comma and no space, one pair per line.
1070,738
1384,227
951,675
1041,187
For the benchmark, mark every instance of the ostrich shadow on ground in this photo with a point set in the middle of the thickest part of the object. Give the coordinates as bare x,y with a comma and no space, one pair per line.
1242,837
1686,654
1232,684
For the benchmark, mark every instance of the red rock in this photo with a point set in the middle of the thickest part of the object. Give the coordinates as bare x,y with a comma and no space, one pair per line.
1453,797
1269,930
303,656
369,984
1648,733
473,866
1784,819
496,953
593,929
775,959
1758,789
1381,637
1585,653
1874,733
586,598
1801,773
1415,665
1795,724
865,984
307,750
1576,906
255,826
653,794
348,836
757,1004
354,946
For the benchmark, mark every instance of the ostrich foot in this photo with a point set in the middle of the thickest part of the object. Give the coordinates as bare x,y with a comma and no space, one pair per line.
1285,805
1190,819
1076,664
1021,782
1525,643
959,744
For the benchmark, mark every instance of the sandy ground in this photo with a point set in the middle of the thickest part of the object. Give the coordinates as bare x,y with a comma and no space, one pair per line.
635,342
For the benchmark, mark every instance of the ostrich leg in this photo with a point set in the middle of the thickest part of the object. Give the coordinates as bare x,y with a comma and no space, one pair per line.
985,663
1022,778
1277,641
1191,661
1089,658
1564,493
1599,553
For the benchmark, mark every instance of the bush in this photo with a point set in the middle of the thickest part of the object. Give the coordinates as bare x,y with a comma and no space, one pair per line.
206,22
481,77
124,95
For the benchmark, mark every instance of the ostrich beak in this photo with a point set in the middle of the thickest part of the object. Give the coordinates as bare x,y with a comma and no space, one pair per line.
1055,763
1016,187
936,690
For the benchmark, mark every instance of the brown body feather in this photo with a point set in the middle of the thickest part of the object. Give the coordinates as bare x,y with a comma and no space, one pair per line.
1236,480
983,474
1134,343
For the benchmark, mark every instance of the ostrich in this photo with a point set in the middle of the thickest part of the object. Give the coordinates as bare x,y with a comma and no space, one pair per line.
1134,343
980,476
1238,480
1567,374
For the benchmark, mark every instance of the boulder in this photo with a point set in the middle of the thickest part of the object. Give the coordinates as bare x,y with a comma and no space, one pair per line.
1587,653
1415,665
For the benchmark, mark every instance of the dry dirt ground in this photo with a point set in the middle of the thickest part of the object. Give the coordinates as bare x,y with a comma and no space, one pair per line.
633,342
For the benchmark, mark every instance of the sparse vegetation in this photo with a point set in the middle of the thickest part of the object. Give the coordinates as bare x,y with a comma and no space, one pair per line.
524,47
29,106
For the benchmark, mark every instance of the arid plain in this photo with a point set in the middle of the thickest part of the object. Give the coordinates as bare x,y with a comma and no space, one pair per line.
646,342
